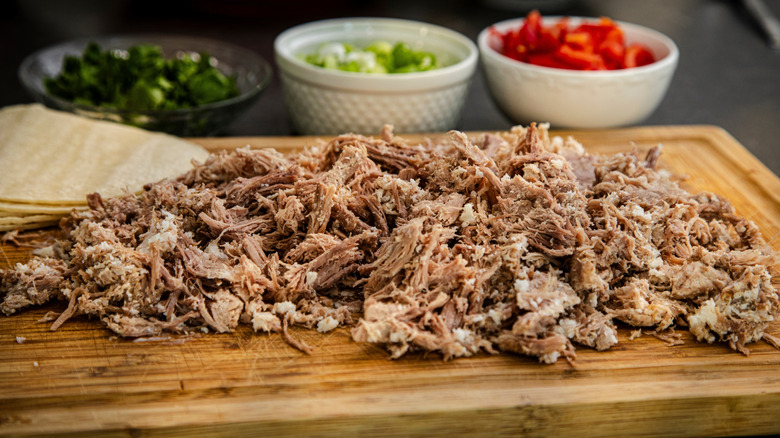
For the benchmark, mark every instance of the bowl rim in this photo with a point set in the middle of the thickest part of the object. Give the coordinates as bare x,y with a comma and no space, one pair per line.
465,63
265,73
486,51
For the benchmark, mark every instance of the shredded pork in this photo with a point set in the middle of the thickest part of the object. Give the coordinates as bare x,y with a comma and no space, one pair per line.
514,242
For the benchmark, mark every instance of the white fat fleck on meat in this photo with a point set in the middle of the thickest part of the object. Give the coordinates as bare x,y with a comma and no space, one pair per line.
464,336
566,327
162,235
532,172
638,212
327,324
703,320
494,315
284,307
479,252
549,358
468,216
46,251
521,285
397,337
266,322
214,252
477,319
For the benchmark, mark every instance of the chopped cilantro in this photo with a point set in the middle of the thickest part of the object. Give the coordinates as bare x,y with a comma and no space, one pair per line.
140,79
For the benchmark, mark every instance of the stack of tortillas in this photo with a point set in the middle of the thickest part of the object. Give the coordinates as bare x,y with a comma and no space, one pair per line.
51,160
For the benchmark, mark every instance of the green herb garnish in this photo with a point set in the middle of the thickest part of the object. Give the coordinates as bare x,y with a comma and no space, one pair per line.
140,79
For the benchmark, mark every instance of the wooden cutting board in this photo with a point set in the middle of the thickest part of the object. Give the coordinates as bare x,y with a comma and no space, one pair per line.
82,380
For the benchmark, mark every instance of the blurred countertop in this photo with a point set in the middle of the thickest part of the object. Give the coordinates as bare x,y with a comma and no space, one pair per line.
728,75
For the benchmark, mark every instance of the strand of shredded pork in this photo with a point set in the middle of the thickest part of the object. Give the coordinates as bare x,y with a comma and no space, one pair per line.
514,242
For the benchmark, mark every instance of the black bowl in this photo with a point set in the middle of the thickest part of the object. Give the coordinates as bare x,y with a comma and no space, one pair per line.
252,73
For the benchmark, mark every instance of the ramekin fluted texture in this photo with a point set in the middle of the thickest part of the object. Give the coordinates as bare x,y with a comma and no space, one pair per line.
328,102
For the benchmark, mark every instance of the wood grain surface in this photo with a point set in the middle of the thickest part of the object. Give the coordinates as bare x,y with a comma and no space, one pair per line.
84,381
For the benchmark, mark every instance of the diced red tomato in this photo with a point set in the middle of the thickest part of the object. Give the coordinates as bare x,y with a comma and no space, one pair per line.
612,49
582,41
579,59
560,28
589,46
544,59
637,56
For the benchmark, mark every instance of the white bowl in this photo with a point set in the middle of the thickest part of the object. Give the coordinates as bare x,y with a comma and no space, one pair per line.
578,99
325,102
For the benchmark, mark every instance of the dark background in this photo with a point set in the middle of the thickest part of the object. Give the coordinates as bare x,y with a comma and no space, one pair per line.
727,76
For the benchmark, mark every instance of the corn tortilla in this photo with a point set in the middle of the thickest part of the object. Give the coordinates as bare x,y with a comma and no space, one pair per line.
8,223
23,208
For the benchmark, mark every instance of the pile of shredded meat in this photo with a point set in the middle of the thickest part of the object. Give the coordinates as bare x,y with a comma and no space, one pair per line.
511,242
